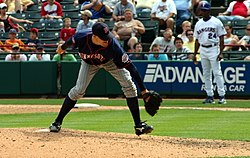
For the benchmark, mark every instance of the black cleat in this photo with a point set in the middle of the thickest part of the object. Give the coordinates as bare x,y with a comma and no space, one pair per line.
209,100
222,100
143,128
55,127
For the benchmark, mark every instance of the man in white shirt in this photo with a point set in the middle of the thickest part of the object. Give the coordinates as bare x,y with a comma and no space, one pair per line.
164,11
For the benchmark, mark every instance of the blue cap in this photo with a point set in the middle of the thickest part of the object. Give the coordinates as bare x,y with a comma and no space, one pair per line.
13,31
102,31
204,5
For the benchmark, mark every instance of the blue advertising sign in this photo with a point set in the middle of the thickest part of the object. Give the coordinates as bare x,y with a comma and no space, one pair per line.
185,78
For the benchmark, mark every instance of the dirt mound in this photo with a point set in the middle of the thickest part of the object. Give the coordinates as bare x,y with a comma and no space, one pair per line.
27,143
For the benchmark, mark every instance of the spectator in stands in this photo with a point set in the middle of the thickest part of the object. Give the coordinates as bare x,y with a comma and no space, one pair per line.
85,22
119,10
33,40
185,26
39,54
128,30
164,11
145,6
13,40
183,12
191,40
230,38
79,2
18,6
237,10
156,49
9,20
247,58
97,8
16,57
137,54
13,6
186,53
1,48
166,42
2,30
25,4
244,41
64,57
67,31
51,11
111,3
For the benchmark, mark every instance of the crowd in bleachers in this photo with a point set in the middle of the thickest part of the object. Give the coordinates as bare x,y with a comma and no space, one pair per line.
165,26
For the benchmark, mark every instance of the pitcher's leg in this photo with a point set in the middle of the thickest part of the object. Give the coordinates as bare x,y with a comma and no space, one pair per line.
86,73
128,88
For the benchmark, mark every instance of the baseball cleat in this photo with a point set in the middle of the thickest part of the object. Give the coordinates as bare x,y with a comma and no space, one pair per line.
55,127
143,128
222,100
209,100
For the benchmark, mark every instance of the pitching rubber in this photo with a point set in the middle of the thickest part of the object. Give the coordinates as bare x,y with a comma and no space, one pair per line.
86,105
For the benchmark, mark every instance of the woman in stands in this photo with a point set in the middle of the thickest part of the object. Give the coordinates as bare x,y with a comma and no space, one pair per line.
230,38
9,21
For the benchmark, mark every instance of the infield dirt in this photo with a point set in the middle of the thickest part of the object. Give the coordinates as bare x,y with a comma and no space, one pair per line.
30,142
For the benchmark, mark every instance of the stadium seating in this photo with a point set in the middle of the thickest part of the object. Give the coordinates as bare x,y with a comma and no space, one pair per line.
23,36
70,8
4,36
110,24
54,26
74,23
40,26
143,16
18,16
49,36
72,15
151,31
239,32
66,2
34,9
35,17
240,24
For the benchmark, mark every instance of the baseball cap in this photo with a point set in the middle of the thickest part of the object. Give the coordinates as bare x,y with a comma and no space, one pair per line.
86,12
34,30
102,31
13,31
3,5
15,45
204,5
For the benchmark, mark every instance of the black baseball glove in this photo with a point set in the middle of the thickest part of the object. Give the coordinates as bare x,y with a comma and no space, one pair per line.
152,102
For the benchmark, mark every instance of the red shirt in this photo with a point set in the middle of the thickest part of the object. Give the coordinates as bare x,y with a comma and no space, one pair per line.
240,8
67,33
54,10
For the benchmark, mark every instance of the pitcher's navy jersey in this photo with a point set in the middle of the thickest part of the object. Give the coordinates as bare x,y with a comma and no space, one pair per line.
95,54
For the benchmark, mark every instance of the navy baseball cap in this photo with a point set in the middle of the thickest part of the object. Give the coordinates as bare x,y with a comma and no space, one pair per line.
204,5
102,31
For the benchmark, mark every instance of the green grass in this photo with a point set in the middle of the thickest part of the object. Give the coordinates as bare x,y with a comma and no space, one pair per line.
122,102
209,124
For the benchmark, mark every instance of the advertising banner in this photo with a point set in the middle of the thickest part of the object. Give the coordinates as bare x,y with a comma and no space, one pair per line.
185,78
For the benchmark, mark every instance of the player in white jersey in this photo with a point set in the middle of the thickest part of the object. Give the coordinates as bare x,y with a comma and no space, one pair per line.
209,33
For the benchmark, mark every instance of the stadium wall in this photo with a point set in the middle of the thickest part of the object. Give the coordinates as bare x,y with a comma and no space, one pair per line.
172,78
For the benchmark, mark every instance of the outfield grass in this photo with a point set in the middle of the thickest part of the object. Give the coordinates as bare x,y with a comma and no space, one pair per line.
187,123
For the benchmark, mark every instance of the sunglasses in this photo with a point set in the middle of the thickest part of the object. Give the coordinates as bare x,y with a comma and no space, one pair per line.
190,34
248,29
